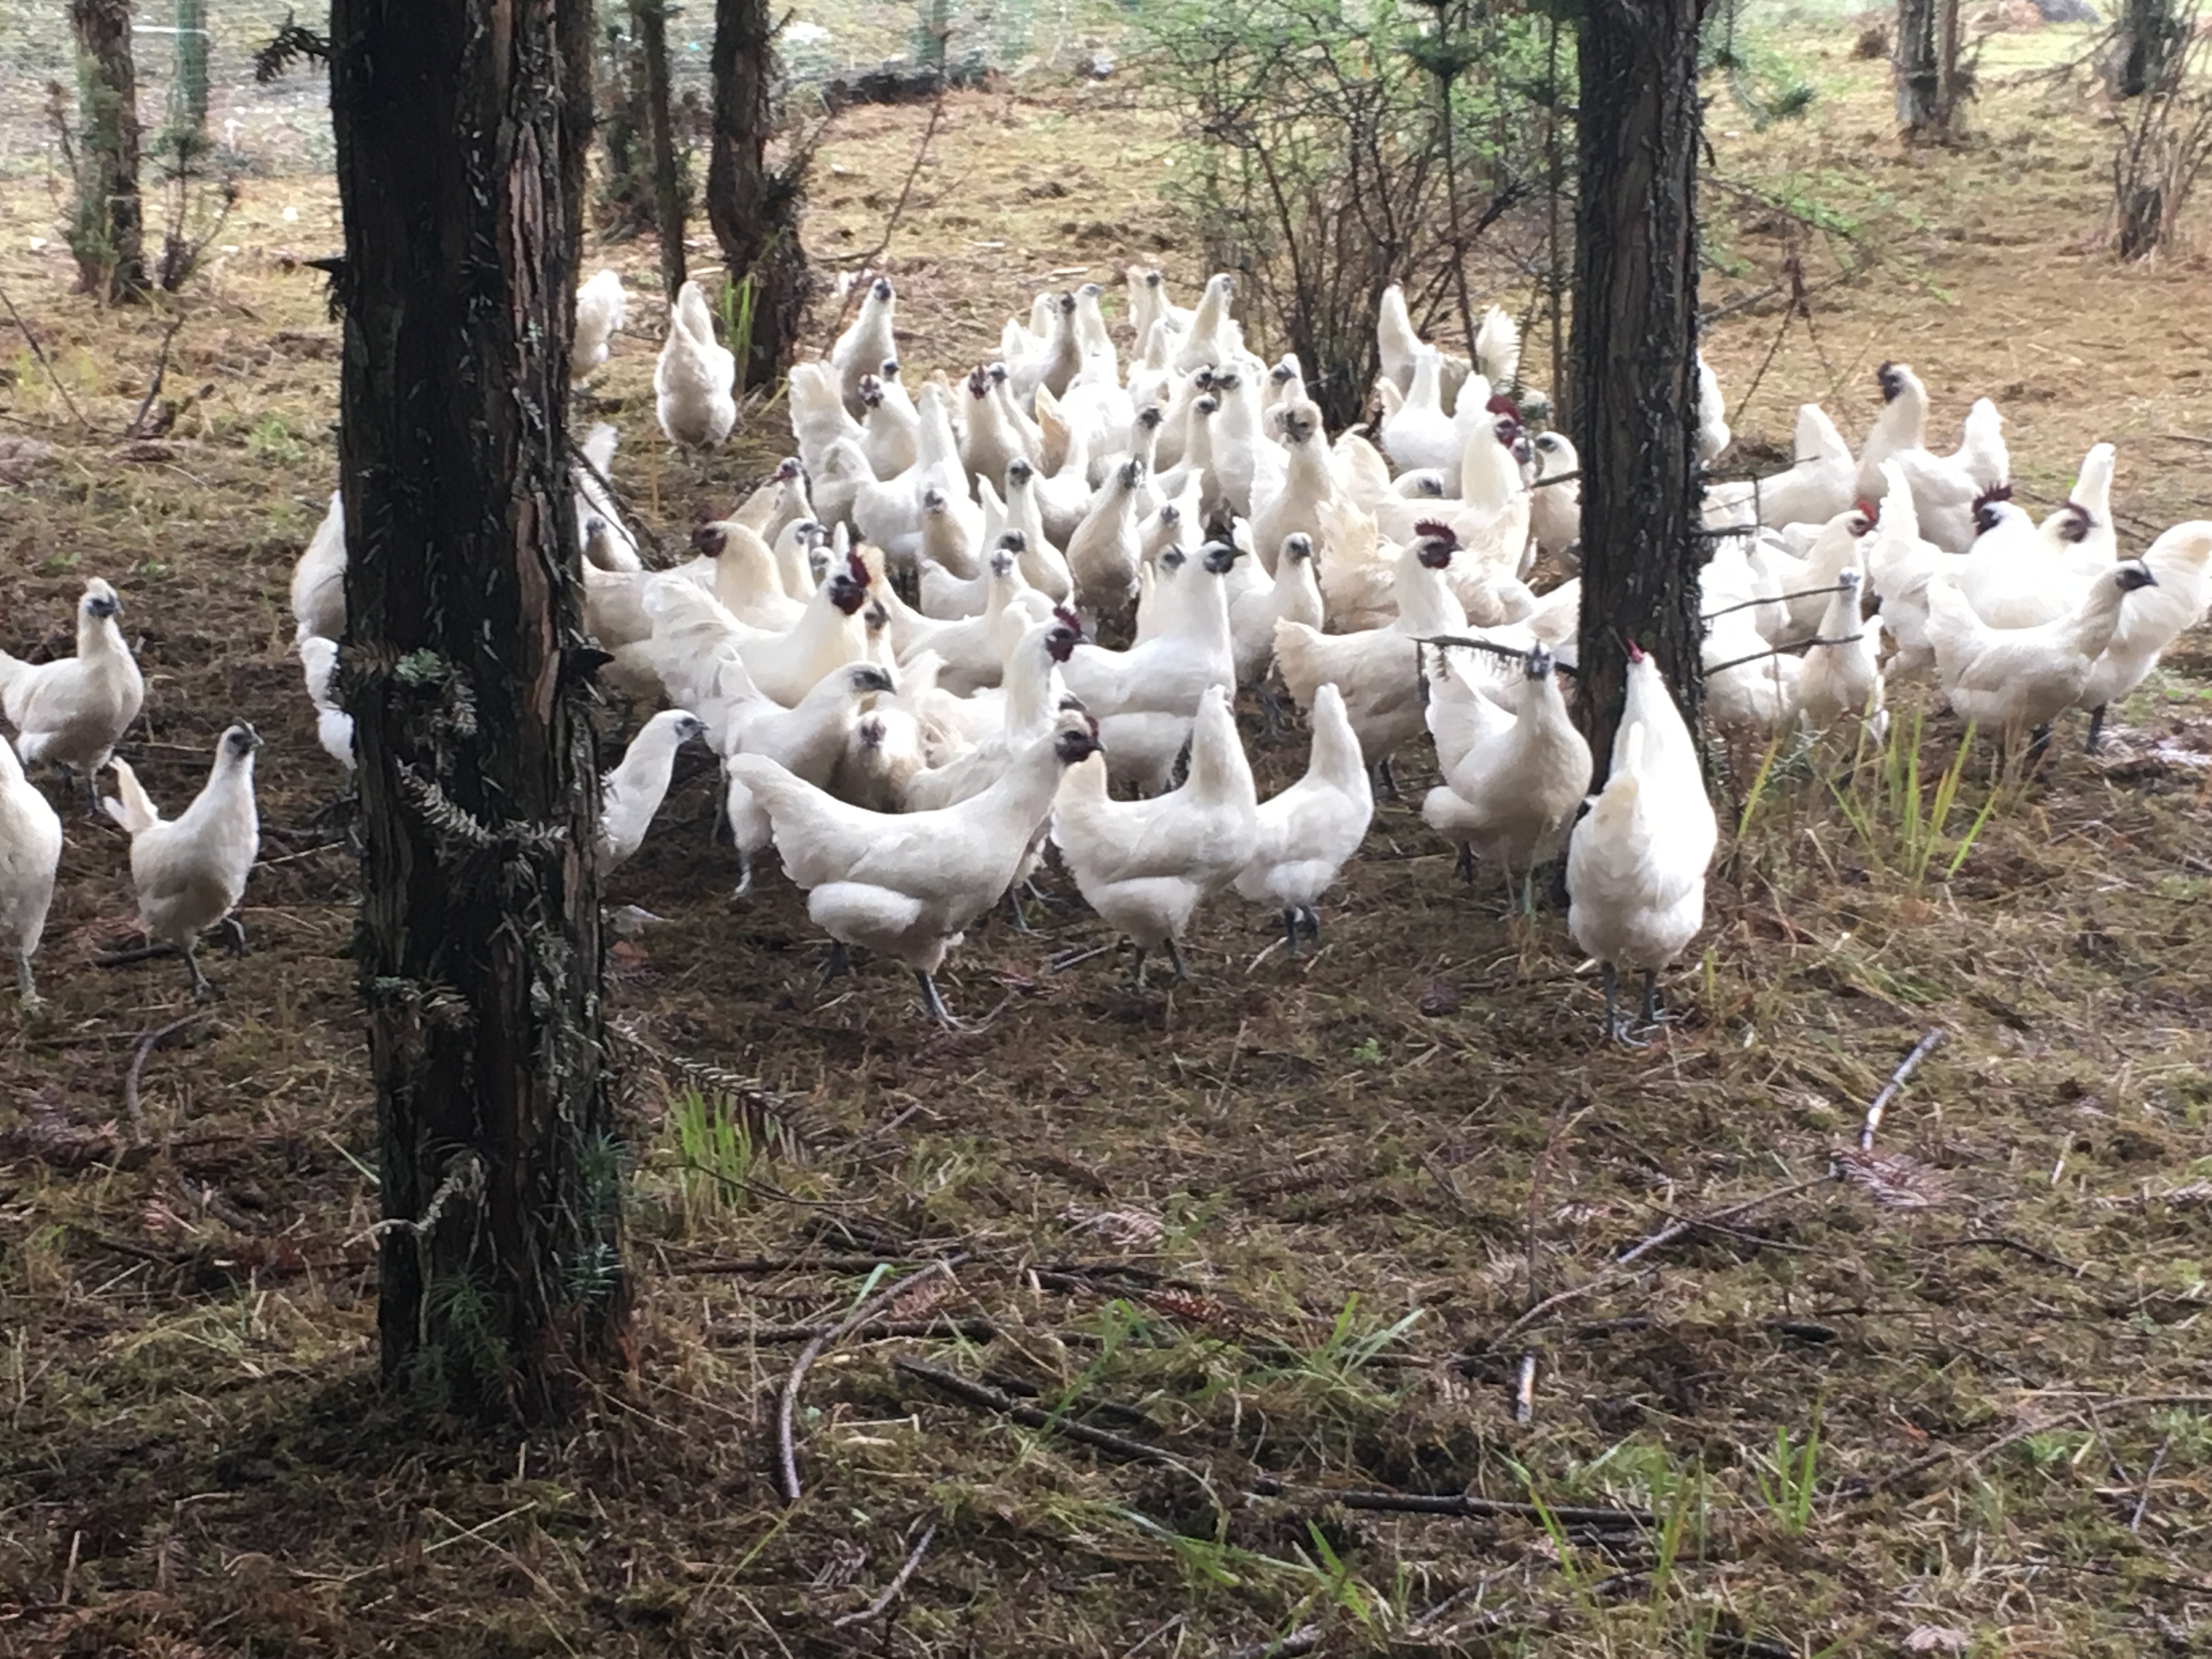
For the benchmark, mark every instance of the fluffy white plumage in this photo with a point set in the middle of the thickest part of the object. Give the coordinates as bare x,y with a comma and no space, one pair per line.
601,305
1309,831
632,792
30,852
2008,680
1637,860
189,871
72,711
908,884
692,382
318,578
2153,618
1147,866
319,662
1515,767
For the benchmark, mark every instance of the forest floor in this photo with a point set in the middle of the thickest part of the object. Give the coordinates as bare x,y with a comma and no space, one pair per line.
1224,1256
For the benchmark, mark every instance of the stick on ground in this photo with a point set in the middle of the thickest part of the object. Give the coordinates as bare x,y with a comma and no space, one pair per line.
787,1405
1906,1068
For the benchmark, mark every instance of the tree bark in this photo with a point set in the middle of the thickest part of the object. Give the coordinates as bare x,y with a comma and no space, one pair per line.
754,208
1635,354
2148,35
652,17
108,235
1925,73
461,132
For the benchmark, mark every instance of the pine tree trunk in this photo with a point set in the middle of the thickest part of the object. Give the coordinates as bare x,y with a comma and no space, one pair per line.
461,132
1634,347
625,195
1923,77
2147,34
753,207
191,95
108,235
652,17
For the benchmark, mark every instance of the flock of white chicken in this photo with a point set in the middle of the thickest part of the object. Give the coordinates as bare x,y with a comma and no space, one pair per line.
927,645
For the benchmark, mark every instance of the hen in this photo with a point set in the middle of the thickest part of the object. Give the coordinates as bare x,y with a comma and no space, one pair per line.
2153,619
319,661
1637,860
692,382
601,305
861,350
71,712
1515,767
908,884
1147,866
30,852
318,578
1308,831
191,872
1944,487
633,792
2012,680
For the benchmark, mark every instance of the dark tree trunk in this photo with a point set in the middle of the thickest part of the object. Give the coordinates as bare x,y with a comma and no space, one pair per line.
754,208
1635,345
652,17
108,234
461,132
1927,65
625,195
2148,36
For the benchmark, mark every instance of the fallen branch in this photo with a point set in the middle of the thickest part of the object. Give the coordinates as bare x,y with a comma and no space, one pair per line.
1470,1505
787,1405
1905,1067
753,1265
40,352
2142,1503
876,1608
153,1039
876,1330
975,1394
1779,599
137,427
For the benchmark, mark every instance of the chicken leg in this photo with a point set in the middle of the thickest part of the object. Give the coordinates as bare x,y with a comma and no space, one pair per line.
933,1004
25,986
1618,1027
203,987
2096,738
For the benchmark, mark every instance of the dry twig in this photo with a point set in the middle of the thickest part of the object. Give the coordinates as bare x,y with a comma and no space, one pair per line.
153,1039
787,1405
876,1608
40,352
1906,1068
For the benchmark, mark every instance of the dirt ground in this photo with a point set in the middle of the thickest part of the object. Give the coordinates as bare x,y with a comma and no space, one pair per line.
1239,1265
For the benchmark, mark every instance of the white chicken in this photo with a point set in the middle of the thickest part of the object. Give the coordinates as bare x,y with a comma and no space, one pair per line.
1145,697
191,872
318,660
1258,601
1713,434
1820,480
2181,560
601,304
1308,479
1419,434
1102,554
30,852
632,792
1147,866
1515,767
1637,860
1944,487
1378,668
318,578
908,884
2013,680
693,380
71,712
861,350
1555,510
615,548
1840,684
1308,832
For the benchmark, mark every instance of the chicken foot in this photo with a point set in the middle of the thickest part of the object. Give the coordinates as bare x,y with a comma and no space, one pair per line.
25,986
2096,738
1619,1028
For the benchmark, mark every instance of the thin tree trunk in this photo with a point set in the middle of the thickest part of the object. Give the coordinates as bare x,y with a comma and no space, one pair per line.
189,99
2148,33
461,132
625,197
1635,345
1921,73
108,235
652,17
753,207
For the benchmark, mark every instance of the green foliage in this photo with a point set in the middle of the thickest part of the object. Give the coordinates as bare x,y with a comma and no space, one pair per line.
1903,822
1332,149
1786,1479
715,1156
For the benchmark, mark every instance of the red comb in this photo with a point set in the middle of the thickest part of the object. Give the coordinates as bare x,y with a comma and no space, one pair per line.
858,567
1068,618
1995,493
1437,529
1635,650
1499,404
